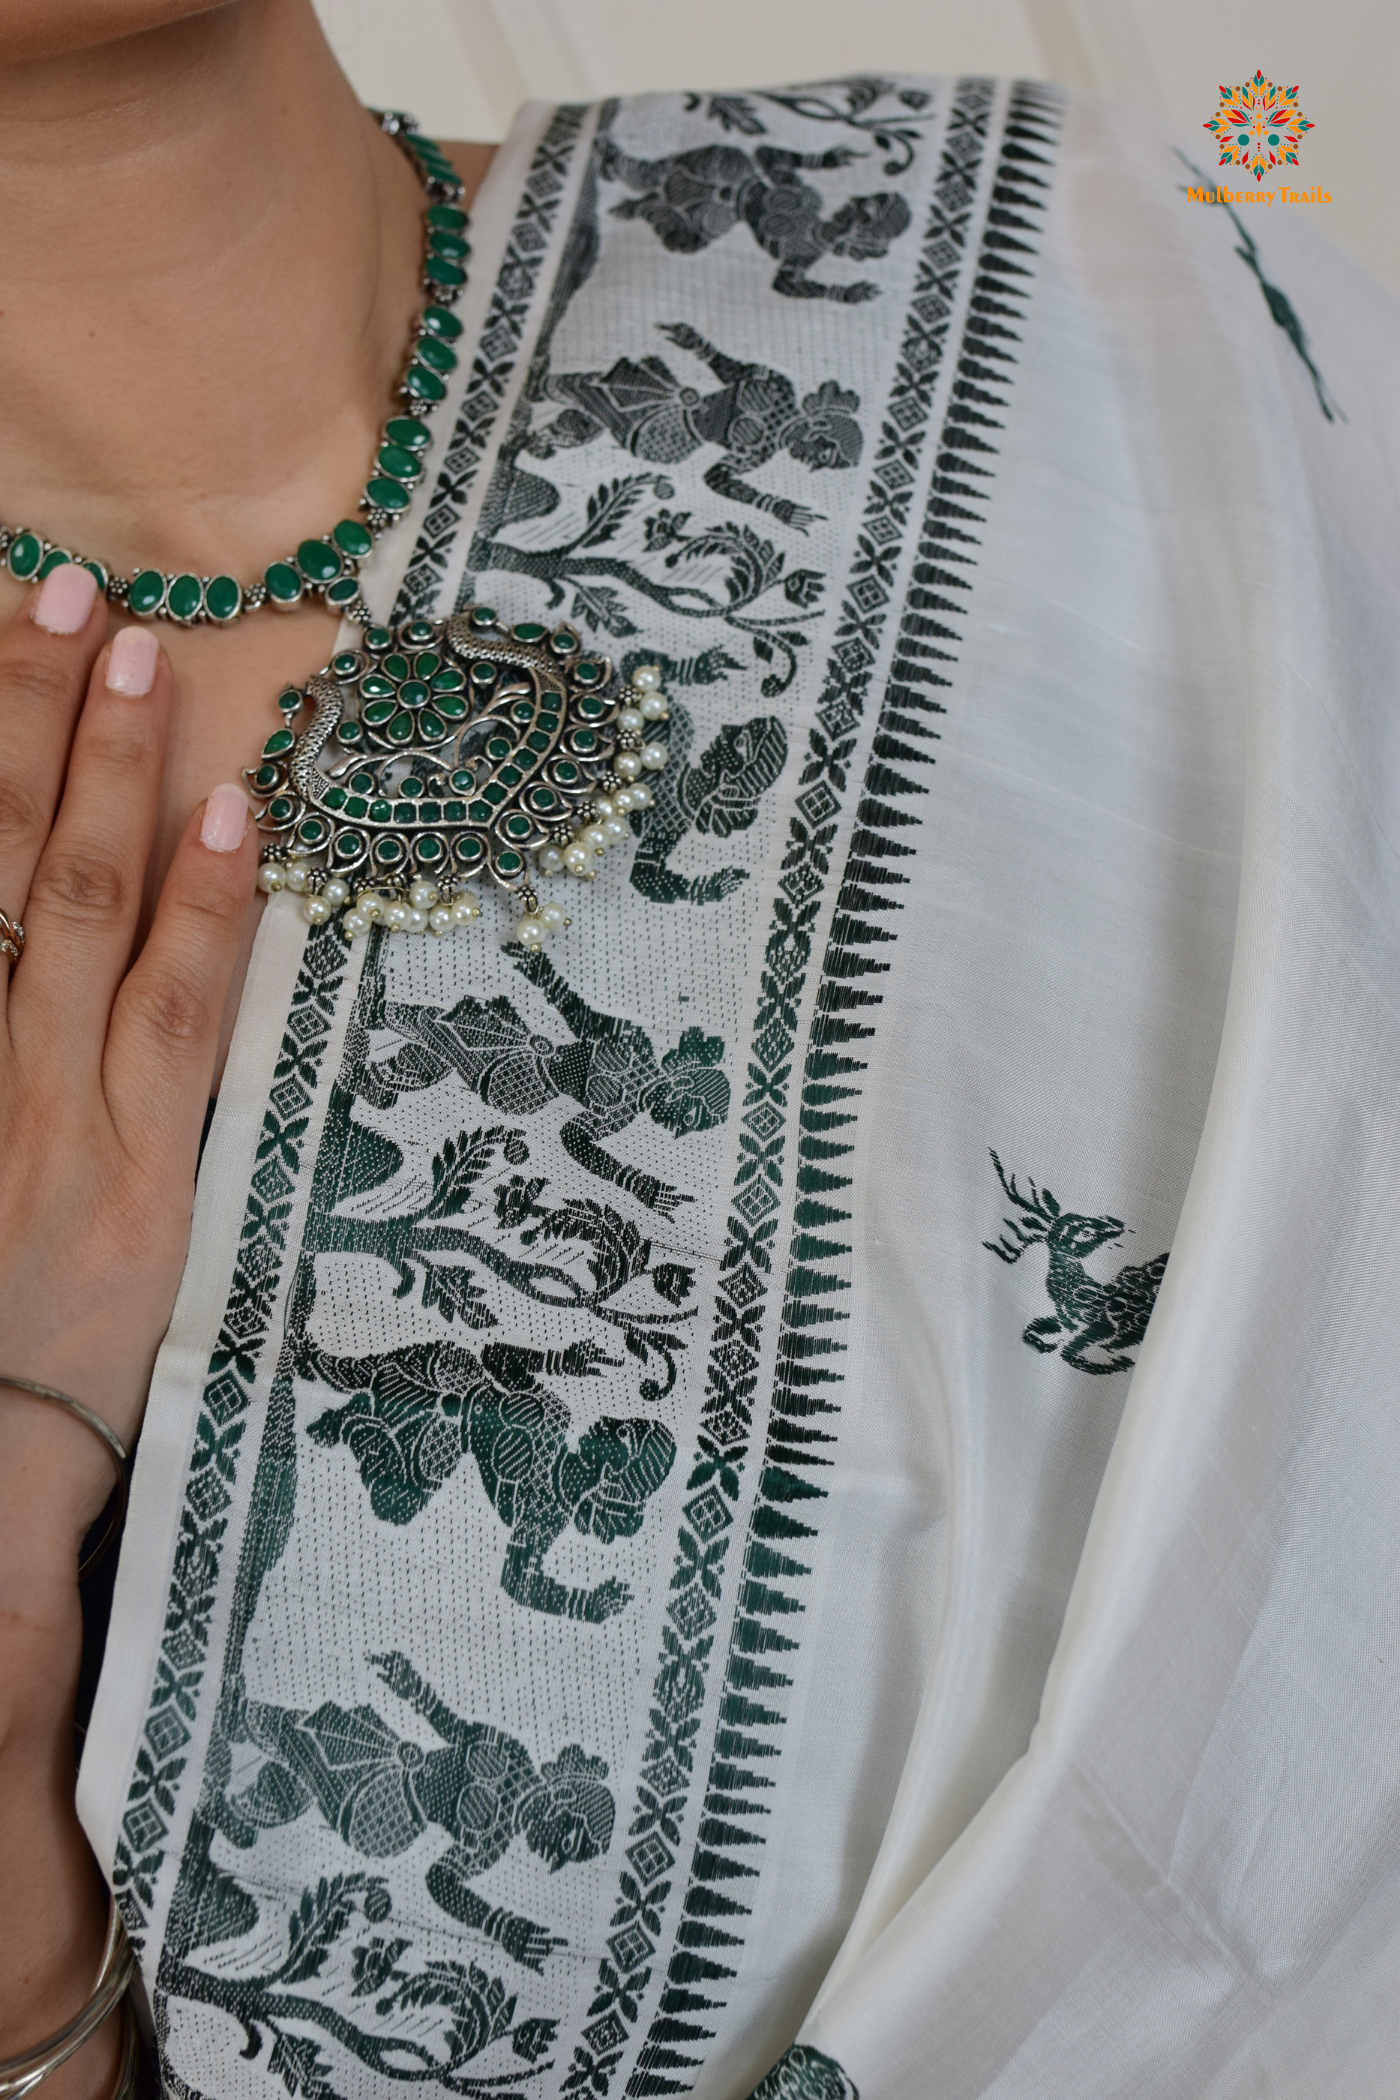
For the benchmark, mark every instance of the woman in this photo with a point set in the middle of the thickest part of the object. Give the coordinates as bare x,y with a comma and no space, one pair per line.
646,1398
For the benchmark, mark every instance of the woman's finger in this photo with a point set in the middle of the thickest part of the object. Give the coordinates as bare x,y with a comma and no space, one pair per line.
46,657
165,1024
85,893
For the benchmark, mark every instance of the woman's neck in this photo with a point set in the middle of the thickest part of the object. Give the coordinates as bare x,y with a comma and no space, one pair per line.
209,259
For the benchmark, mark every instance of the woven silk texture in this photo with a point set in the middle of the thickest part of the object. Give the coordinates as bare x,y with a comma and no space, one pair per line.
794,1493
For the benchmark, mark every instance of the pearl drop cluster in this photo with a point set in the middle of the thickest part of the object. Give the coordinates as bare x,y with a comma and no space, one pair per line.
425,908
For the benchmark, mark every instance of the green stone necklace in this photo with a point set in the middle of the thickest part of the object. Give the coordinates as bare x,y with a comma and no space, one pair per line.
440,751
327,567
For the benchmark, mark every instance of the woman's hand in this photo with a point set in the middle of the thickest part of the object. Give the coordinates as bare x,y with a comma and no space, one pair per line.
105,1067
105,1063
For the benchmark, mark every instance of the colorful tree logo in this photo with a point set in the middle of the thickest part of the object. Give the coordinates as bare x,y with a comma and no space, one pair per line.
1258,126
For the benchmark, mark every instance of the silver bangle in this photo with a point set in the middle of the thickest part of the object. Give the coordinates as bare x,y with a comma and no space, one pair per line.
21,2074
116,1450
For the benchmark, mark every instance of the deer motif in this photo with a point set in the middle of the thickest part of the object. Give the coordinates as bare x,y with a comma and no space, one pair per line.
1102,1320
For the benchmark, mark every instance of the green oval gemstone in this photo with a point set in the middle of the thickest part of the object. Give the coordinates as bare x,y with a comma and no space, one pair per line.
483,674
529,630
413,694
588,673
436,353
311,831
430,812
147,594
335,798
453,705
422,385
482,616
412,786
378,638
223,599
463,779
469,851
426,664
543,799
26,553
354,540
481,812
499,747
438,270
584,741
396,666
344,591
446,217
431,727
591,707
356,806
563,644
184,599
418,632
430,851
408,432
400,730
494,792
389,852
455,812
289,700
549,721
448,680
509,776
509,862
95,569
519,827
317,561
566,772
379,711
445,241
381,812
281,808
56,558
350,845
385,494
346,664
438,321
397,461
280,740
267,778
523,711
537,741
404,812
284,586
375,686
361,783
350,733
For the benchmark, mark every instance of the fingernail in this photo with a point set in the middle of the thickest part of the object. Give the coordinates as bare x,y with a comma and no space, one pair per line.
225,819
65,598
131,661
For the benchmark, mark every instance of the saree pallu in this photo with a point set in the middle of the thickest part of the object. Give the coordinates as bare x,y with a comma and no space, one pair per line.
795,1493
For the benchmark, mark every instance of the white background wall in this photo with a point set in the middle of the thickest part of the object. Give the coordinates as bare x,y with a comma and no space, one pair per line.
464,66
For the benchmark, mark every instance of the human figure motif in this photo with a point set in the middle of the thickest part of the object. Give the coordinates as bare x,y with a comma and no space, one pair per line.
751,415
381,1791
718,793
415,1411
610,1069
691,199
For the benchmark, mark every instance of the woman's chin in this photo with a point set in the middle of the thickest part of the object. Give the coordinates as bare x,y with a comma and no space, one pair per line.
54,28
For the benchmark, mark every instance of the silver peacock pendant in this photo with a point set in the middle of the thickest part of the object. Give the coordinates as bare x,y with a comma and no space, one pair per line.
443,753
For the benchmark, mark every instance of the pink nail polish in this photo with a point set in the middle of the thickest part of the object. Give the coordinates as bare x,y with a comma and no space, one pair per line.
131,661
65,598
225,819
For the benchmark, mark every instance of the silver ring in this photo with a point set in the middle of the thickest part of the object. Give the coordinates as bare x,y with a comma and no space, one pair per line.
11,937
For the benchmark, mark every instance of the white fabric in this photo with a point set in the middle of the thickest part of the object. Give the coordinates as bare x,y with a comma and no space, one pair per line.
1079,1770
